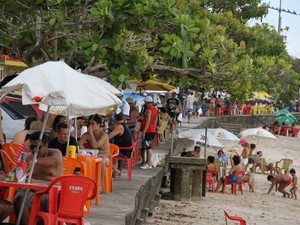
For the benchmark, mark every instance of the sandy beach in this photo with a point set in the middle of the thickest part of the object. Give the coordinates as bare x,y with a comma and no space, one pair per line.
256,208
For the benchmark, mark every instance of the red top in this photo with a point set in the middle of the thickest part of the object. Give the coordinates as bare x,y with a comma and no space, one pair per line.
153,120
20,150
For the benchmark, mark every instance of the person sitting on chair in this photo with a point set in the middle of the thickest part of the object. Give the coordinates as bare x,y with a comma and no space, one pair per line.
122,138
61,140
267,166
97,139
48,166
210,163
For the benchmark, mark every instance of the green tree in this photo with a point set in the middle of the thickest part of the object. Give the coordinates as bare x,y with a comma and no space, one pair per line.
206,44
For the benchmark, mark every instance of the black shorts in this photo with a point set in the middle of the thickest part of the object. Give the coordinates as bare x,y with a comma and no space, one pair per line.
147,142
173,115
29,199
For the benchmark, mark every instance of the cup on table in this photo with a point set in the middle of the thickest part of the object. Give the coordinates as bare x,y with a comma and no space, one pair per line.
11,176
72,151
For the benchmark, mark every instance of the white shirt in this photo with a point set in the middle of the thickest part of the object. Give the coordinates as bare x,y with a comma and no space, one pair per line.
189,101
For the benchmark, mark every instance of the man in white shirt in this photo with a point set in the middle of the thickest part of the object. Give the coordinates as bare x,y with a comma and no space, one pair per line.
190,99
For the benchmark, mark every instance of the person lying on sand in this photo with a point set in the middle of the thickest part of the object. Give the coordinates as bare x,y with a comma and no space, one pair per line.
283,181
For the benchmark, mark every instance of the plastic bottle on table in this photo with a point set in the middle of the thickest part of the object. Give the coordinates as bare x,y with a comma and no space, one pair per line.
21,168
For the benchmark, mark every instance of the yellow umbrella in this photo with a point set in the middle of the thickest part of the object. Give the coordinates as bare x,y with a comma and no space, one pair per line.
258,95
266,94
151,84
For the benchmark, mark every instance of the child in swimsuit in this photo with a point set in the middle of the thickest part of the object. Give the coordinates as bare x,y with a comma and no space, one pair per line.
294,188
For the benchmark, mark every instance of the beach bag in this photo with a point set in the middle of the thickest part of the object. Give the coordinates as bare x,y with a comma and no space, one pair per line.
179,118
200,111
154,159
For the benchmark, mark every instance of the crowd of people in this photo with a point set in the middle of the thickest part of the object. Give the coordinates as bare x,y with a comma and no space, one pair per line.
240,162
122,127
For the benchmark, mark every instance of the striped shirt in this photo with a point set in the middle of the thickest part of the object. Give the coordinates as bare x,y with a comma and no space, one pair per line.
21,149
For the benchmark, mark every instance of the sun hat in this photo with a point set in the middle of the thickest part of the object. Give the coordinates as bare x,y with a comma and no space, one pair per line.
35,126
243,142
129,100
148,99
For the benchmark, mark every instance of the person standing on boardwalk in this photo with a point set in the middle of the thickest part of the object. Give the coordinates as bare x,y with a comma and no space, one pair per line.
149,123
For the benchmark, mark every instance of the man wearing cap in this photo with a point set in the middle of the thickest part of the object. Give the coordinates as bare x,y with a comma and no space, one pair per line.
149,122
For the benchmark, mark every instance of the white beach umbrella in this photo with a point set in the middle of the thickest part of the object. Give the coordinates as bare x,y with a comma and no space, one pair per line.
258,132
223,134
57,84
198,135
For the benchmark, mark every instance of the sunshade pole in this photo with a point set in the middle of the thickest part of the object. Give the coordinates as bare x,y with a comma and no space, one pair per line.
75,127
69,133
172,141
205,144
33,164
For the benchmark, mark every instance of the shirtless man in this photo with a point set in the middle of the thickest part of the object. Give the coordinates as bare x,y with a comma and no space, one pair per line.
283,181
97,139
47,167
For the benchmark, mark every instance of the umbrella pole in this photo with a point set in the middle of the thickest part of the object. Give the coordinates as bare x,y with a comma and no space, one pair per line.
172,142
205,143
69,134
33,164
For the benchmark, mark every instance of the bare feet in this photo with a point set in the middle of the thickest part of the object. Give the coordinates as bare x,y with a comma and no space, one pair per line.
116,174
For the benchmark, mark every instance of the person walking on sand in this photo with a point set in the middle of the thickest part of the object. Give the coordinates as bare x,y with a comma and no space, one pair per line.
294,188
283,181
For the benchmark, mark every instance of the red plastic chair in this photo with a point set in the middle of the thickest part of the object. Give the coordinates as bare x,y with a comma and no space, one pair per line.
136,153
294,132
9,163
114,151
284,131
236,218
74,192
11,149
239,182
128,160
210,178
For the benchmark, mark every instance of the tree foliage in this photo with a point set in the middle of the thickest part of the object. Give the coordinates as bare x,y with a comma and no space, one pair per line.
205,43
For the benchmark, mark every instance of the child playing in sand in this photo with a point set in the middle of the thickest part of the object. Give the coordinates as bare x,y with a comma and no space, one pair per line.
294,188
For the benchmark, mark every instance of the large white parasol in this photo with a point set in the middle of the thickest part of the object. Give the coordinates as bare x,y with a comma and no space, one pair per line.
223,134
198,135
57,84
257,132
